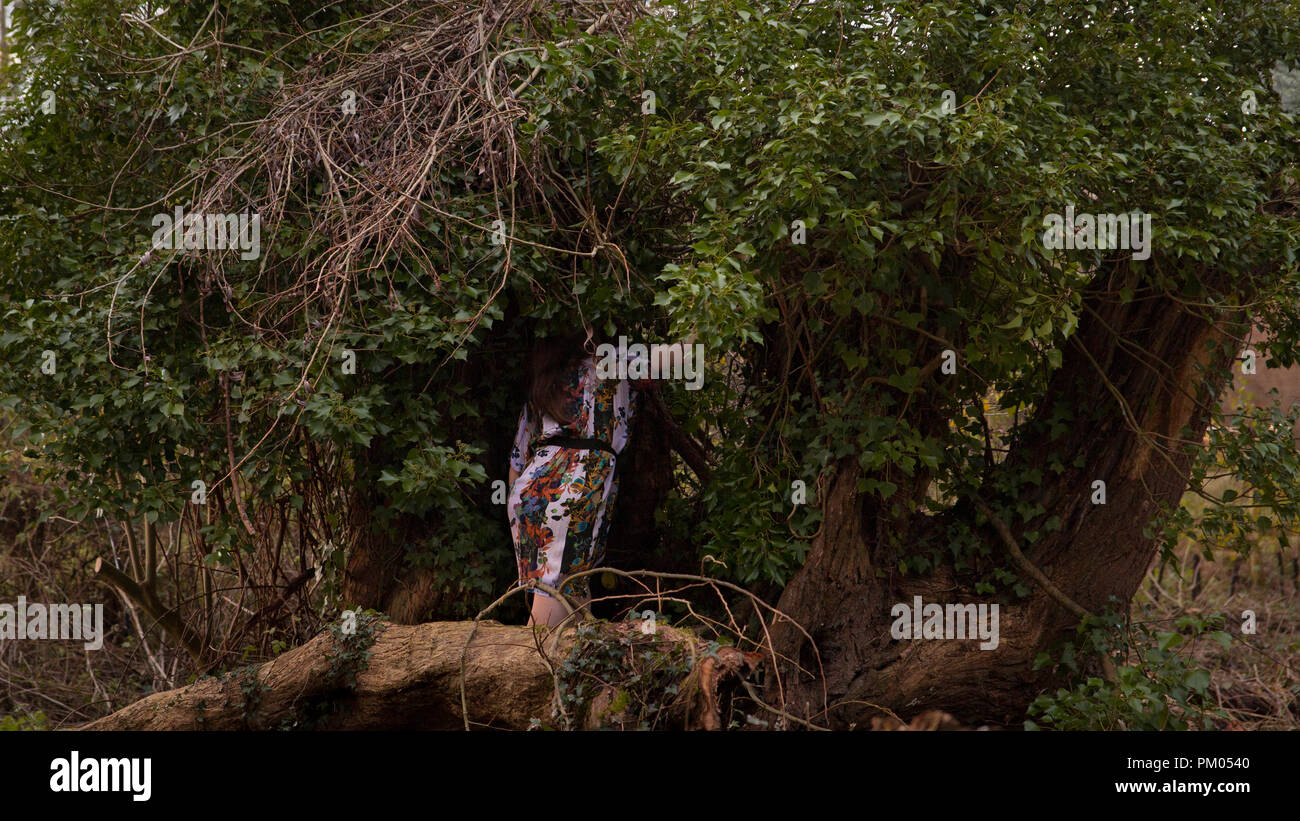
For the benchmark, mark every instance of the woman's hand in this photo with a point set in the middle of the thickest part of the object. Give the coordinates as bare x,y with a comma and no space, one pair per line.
514,477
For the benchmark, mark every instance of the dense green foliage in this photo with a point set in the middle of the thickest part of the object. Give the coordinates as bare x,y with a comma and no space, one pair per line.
791,184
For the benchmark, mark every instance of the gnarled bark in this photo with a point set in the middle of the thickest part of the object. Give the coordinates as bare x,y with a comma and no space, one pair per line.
1134,379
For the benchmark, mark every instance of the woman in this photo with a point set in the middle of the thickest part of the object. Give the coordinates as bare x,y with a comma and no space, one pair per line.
562,467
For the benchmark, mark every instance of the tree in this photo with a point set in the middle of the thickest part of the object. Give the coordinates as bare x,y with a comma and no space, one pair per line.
448,676
846,200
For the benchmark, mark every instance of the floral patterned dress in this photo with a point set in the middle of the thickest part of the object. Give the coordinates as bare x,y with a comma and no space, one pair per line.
561,505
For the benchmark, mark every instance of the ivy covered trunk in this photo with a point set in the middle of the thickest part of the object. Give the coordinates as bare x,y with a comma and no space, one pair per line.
1127,406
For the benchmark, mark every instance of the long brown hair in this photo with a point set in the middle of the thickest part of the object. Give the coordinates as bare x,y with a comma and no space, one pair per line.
549,366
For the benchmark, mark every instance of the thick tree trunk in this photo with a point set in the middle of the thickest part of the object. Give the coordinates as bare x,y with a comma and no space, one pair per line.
1151,353
374,554
378,575
411,679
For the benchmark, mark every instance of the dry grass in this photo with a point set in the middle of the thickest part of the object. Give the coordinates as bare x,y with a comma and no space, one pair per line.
1256,680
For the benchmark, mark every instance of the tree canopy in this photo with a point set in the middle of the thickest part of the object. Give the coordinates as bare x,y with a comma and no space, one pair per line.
848,201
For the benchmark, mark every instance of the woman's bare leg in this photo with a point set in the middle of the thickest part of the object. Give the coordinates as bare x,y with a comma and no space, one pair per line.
550,612
546,611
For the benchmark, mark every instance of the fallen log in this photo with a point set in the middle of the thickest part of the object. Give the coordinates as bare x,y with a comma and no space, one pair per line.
394,676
